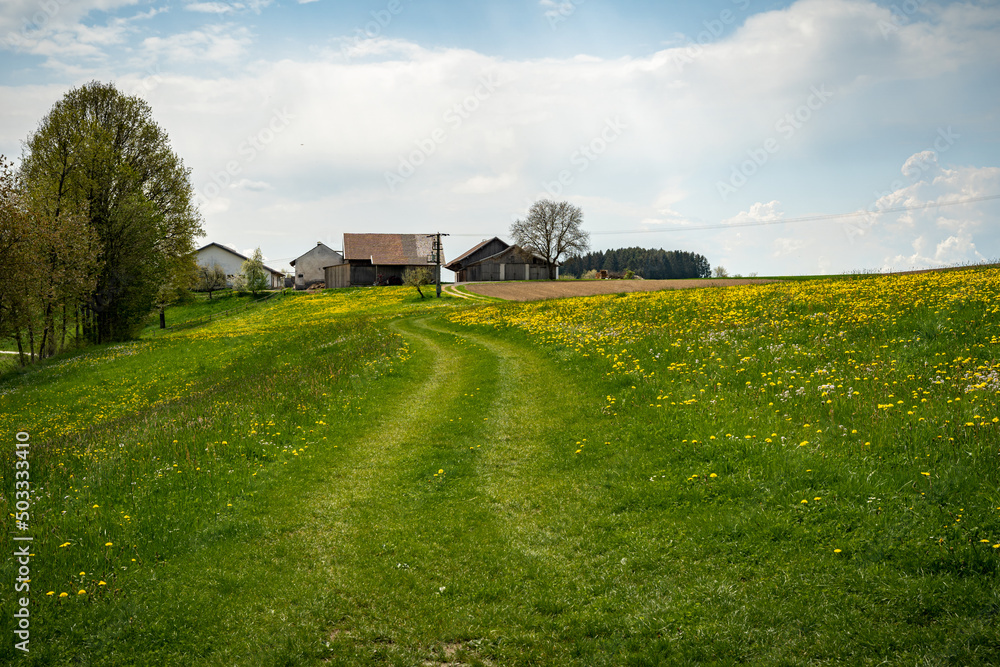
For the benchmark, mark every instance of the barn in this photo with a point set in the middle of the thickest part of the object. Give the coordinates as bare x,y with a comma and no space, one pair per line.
494,260
382,259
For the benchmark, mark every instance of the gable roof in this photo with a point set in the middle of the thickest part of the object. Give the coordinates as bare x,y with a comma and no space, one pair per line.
458,260
390,249
509,250
233,252
319,244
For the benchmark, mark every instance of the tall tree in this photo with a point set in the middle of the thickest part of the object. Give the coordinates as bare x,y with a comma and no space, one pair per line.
99,154
553,230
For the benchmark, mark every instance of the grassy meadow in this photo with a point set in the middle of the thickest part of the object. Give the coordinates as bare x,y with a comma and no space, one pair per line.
797,473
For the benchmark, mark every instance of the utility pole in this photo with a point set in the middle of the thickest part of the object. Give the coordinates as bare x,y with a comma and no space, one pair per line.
436,258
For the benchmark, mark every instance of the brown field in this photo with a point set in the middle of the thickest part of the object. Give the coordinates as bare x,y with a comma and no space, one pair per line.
537,290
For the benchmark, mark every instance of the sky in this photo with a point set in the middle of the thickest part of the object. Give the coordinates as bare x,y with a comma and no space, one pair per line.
774,138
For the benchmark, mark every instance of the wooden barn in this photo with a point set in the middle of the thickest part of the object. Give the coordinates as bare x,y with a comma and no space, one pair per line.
381,258
494,260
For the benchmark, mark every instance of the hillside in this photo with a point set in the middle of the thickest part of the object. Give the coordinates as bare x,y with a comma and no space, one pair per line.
785,473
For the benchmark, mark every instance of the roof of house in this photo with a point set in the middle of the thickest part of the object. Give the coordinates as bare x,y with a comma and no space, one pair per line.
511,249
390,249
458,260
233,252
319,244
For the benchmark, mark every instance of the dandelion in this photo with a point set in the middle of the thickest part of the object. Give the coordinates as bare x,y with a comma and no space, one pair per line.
108,544
836,551
81,592
713,475
804,502
64,595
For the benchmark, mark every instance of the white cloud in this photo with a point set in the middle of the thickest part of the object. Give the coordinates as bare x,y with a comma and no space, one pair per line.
359,110
253,186
759,212
255,6
215,43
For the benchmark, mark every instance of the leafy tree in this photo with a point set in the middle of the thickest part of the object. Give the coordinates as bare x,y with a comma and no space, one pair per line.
211,279
417,277
50,268
553,230
99,155
720,272
255,278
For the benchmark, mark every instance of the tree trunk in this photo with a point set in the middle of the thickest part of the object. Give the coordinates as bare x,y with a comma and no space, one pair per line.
20,349
62,343
31,340
163,318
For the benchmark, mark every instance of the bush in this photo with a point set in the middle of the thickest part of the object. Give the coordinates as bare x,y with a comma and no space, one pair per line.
589,275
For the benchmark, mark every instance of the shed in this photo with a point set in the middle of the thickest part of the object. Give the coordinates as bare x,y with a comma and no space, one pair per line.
309,267
496,260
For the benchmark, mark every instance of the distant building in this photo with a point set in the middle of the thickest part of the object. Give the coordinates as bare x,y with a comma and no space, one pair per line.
494,259
381,258
309,267
232,263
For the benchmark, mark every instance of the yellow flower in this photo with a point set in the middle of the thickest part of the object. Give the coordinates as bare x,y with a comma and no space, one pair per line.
62,595
803,443
713,475
836,551
804,502
64,544
102,583
108,544
50,593
441,471
81,592
926,474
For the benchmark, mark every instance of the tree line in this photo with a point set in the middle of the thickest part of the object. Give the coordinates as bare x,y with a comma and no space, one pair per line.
97,225
651,264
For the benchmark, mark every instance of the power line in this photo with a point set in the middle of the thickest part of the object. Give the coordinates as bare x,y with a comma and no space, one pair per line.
809,218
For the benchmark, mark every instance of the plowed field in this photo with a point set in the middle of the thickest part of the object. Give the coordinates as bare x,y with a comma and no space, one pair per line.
537,290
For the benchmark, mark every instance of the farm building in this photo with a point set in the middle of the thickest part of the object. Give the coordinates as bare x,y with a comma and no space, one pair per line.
232,263
309,268
495,259
381,258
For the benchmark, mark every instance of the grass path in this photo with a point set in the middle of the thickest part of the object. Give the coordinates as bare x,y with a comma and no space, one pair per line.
419,535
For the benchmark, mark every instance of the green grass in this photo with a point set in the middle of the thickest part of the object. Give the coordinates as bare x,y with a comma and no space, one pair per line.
613,480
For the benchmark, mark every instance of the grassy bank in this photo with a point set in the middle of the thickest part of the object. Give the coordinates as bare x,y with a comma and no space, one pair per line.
793,473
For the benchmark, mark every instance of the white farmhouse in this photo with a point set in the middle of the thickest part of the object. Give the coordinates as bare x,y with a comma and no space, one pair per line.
232,263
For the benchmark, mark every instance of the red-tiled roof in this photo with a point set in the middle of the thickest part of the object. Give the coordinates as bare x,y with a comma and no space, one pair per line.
389,249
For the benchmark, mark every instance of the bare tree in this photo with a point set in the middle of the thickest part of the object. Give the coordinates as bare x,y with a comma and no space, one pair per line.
553,230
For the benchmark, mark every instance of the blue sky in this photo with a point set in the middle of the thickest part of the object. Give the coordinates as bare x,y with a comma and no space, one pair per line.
304,120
